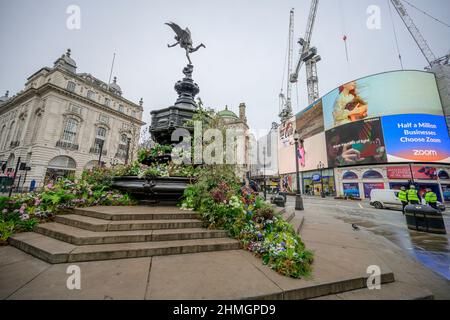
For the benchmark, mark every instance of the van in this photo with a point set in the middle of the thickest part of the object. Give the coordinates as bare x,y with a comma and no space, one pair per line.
386,198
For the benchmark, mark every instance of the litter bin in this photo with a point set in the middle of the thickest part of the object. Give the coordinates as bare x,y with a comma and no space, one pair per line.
424,218
279,200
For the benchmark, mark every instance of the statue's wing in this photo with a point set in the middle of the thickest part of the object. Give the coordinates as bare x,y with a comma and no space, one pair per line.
176,28
188,31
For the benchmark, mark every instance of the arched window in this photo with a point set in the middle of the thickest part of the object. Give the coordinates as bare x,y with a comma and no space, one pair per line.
9,136
443,175
20,127
372,174
60,167
2,136
350,175
70,130
100,137
62,162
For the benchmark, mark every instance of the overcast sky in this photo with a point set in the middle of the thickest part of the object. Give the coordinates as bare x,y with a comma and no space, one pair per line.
245,46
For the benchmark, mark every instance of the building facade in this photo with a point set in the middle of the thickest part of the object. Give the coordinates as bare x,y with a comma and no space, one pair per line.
240,129
383,131
63,122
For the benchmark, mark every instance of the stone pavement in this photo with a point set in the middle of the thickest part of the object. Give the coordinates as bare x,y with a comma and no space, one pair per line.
342,257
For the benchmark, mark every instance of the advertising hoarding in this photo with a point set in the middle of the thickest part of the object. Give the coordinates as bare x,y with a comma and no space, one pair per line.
309,122
311,151
418,172
399,92
356,143
416,138
368,187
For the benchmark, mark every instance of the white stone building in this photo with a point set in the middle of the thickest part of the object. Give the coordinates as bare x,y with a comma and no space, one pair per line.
59,122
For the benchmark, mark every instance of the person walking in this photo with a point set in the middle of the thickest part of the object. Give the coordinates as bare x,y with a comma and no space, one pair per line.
431,198
402,196
412,196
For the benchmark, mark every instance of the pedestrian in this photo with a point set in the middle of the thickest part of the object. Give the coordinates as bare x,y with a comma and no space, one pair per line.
431,198
412,196
402,196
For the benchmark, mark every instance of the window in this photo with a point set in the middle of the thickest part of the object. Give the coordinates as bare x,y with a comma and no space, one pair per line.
133,114
71,86
372,174
91,94
103,119
20,127
349,175
75,109
100,137
123,146
9,136
70,130
2,136
107,102
121,108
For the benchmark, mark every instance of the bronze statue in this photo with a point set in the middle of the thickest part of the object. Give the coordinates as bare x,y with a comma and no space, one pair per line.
184,39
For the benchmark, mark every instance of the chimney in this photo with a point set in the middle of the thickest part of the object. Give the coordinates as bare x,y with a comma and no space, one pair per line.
242,115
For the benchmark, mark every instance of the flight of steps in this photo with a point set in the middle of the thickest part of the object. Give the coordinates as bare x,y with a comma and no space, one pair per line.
104,233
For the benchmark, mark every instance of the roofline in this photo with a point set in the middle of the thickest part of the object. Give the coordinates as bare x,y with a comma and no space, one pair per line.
47,87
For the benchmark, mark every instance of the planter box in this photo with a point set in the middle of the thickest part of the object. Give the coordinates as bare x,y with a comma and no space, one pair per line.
153,190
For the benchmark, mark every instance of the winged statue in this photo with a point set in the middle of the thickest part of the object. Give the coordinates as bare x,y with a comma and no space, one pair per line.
183,38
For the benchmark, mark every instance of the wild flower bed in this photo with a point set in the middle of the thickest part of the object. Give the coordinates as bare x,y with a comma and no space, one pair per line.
22,212
225,204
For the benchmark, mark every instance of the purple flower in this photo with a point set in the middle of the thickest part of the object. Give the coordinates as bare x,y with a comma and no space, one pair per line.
283,244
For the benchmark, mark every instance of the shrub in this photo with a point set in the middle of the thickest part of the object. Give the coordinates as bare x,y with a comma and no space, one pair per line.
224,204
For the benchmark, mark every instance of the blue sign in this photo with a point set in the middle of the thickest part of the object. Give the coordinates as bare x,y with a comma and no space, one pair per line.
416,137
316,177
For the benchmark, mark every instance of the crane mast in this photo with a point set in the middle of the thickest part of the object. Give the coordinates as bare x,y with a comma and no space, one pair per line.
286,101
415,33
309,56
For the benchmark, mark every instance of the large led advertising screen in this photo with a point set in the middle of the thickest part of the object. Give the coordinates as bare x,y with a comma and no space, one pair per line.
398,92
390,117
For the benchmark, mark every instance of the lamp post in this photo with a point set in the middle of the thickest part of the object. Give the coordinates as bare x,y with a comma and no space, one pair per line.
113,162
321,166
100,153
128,150
298,196
264,174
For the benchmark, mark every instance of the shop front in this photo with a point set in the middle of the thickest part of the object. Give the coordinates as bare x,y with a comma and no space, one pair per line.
314,180
360,181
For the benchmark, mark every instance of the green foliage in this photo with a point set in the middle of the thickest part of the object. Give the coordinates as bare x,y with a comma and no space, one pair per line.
155,151
22,212
248,218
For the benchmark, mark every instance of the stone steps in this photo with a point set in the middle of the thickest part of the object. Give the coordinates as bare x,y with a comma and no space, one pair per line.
389,291
78,236
131,213
56,251
100,225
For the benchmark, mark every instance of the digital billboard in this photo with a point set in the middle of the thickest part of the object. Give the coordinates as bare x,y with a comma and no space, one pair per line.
360,142
399,92
309,122
384,118
416,138
390,117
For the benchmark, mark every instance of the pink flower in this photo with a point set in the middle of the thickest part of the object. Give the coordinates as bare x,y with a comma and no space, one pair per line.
37,202
22,209
50,185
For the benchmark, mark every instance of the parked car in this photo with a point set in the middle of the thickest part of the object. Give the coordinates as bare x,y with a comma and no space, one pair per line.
386,198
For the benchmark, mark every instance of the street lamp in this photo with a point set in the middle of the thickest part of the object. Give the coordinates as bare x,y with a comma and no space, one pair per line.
298,196
128,150
100,153
113,162
321,166
265,188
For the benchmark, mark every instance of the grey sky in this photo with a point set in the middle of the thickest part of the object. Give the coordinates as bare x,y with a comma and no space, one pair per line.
245,40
